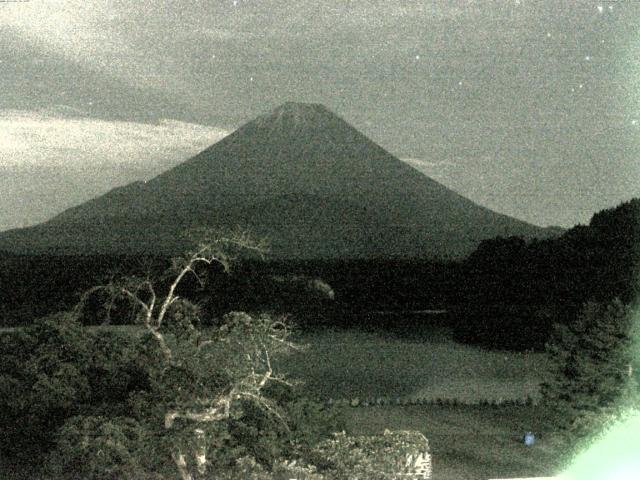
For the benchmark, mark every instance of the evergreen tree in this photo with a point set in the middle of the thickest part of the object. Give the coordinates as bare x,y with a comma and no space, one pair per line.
591,367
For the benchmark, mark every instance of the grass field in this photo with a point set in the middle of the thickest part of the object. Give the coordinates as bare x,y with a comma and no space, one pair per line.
471,442
356,364
467,442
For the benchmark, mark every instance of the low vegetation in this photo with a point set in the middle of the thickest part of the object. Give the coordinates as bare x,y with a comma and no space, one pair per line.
353,364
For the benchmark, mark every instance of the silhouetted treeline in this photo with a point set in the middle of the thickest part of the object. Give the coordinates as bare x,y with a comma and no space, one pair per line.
595,262
33,286
506,294
515,291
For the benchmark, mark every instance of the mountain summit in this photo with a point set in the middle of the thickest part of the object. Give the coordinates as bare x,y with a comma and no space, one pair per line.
300,175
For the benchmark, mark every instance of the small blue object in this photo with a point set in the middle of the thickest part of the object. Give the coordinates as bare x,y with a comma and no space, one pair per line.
529,439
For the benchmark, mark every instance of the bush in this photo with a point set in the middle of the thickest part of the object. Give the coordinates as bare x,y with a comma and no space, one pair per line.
97,448
44,371
591,366
247,468
378,457
55,370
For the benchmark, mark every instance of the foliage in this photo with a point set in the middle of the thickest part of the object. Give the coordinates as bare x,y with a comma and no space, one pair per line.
203,397
102,404
43,382
375,457
54,370
596,262
591,367
213,383
175,399
247,468
309,421
97,448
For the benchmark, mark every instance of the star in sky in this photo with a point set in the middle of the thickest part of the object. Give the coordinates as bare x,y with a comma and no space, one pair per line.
563,48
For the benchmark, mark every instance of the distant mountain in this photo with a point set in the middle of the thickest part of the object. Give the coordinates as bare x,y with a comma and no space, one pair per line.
300,175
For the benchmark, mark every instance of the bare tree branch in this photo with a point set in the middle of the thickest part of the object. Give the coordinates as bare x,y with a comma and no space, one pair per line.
249,343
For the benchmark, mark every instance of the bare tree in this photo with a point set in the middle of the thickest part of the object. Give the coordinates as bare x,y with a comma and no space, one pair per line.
243,348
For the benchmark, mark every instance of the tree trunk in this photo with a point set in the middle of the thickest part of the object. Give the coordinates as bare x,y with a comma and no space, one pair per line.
181,463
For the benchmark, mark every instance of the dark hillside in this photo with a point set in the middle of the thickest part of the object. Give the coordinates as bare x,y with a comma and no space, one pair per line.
513,291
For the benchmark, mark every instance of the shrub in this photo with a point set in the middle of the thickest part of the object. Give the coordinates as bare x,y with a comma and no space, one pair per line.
97,448
591,362
44,374
55,370
377,457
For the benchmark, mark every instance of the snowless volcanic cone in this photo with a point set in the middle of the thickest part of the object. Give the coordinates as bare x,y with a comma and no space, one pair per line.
301,176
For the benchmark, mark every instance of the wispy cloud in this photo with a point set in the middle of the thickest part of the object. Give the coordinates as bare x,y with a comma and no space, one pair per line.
52,160
57,139
75,29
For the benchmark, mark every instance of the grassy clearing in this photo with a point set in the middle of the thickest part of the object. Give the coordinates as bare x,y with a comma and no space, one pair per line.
357,364
471,442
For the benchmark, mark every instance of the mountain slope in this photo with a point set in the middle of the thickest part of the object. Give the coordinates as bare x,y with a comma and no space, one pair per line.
300,175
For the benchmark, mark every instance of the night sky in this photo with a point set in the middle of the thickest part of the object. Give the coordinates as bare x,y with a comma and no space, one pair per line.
529,107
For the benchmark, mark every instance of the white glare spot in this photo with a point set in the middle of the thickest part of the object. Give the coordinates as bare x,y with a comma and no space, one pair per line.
587,58
634,122
600,8
460,83
417,57
611,7
548,34
581,85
